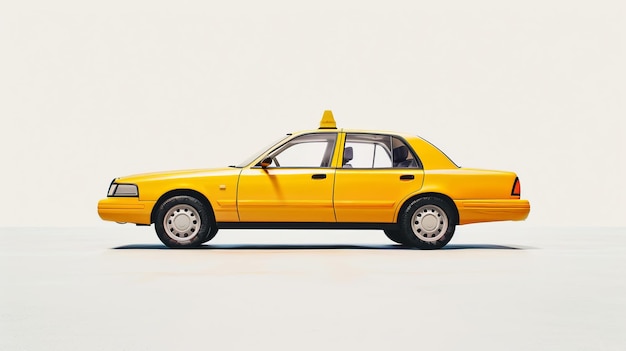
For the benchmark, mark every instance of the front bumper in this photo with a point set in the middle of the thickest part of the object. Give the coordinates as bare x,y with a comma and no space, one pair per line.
125,210
474,211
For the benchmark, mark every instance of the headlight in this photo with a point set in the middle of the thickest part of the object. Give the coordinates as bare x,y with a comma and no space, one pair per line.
123,190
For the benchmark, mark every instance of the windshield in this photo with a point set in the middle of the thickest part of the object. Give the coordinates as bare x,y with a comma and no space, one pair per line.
260,152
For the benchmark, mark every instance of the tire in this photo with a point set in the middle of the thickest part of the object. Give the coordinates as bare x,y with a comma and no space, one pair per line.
427,223
211,234
395,236
184,222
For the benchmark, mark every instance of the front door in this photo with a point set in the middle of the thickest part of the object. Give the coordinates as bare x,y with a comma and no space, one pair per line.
296,187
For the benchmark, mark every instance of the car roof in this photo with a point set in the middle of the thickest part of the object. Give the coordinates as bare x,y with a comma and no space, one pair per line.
350,130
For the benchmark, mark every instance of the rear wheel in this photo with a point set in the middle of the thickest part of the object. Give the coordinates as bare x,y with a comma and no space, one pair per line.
183,222
395,236
427,223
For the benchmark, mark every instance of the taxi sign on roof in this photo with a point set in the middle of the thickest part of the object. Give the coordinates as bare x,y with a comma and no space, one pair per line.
328,121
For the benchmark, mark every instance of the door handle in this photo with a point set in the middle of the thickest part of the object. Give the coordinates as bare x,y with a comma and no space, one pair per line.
319,176
407,177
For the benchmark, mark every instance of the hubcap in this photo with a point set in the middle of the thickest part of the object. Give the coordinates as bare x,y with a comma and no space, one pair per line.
182,222
429,223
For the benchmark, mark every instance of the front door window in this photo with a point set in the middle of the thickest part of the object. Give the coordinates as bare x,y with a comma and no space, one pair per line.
306,151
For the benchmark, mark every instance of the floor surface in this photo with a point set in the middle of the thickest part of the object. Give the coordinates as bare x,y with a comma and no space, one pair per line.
494,287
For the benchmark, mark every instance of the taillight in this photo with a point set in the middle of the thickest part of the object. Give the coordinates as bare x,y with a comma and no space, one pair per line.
517,188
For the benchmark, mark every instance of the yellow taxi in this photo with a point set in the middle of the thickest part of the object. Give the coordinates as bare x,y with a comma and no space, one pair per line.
326,178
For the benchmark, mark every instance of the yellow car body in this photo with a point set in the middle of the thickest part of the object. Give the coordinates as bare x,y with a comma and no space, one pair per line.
323,192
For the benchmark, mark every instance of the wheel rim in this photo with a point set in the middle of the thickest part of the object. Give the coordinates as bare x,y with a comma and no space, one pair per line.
429,223
182,223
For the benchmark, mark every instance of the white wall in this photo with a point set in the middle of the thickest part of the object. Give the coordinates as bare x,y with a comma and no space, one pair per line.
91,91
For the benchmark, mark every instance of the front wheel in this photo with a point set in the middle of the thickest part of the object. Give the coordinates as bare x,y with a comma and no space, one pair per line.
183,222
427,223
211,234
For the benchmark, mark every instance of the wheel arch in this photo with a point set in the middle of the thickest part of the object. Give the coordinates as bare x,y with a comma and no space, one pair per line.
181,192
443,197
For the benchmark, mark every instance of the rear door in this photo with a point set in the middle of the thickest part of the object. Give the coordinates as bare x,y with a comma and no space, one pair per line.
377,173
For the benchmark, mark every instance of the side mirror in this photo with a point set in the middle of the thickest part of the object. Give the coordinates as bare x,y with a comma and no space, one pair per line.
266,162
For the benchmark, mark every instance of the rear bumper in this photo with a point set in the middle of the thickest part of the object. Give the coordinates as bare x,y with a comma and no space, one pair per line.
474,211
125,210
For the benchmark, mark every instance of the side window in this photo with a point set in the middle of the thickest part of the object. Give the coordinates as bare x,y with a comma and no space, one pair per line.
367,151
376,151
402,155
381,157
306,151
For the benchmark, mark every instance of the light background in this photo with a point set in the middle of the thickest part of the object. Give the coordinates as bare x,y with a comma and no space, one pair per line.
94,90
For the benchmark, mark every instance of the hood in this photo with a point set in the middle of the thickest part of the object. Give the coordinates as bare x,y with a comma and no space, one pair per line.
181,174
